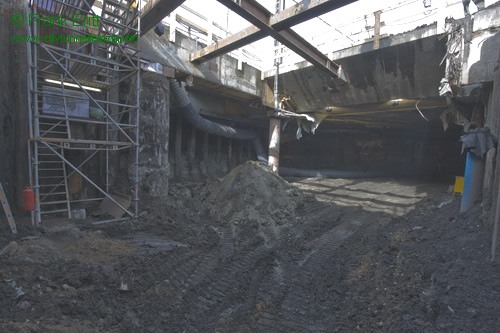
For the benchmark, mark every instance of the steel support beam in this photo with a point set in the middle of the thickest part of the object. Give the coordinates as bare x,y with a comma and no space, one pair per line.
253,12
304,11
299,45
226,45
155,11
278,27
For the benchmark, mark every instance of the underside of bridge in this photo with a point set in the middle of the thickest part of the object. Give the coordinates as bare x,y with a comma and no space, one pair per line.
249,166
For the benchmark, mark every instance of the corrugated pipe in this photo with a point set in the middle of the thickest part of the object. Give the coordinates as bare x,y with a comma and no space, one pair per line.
194,118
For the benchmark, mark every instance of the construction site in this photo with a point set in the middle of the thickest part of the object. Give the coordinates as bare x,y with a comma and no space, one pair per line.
249,166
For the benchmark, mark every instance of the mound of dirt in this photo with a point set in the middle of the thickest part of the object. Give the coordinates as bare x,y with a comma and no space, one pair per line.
253,197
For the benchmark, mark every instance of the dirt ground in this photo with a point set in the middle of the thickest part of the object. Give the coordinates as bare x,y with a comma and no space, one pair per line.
254,253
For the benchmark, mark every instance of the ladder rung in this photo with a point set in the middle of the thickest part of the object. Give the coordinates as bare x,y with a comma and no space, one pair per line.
52,193
54,211
121,5
112,24
118,16
52,202
50,162
60,125
55,123
51,185
50,177
49,117
52,132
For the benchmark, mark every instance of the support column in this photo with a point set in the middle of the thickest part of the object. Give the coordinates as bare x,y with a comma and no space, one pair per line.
230,154
275,123
206,147
376,32
154,168
274,143
219,149
241,146
192,147
178,145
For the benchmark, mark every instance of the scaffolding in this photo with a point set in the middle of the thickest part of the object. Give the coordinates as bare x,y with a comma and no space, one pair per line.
81,65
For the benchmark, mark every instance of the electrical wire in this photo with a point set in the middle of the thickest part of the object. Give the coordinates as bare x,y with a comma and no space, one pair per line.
416,106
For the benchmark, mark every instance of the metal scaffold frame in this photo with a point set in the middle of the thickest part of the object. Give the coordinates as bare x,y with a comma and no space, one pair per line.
77,61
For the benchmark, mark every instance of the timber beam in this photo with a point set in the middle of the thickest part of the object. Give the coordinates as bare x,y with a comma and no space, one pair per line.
155,11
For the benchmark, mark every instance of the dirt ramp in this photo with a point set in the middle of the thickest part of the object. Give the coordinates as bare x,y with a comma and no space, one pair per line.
251,196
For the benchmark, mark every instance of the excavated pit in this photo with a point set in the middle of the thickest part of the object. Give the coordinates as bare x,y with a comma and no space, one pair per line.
252,252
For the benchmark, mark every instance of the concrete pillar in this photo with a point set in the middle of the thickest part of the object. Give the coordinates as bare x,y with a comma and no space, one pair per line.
178,146
241,146
219,149
193,167
376,32
206,147
274,143
230,154
154,167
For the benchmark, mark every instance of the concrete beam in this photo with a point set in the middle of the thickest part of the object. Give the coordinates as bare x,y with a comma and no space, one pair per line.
259,16
155,11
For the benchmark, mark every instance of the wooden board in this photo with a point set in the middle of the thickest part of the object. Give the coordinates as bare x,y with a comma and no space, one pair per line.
7,210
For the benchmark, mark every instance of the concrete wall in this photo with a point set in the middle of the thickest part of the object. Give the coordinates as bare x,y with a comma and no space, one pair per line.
399,152
13,107
222,71
195,155
481,45
492,121
407,70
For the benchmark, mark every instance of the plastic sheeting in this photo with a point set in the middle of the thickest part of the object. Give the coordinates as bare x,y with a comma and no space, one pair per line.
478,141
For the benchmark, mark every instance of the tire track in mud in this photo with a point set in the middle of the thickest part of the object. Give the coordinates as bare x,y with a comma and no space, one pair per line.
211,289
194,267
293,313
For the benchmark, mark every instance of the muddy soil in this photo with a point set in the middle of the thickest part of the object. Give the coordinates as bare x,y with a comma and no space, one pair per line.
254,253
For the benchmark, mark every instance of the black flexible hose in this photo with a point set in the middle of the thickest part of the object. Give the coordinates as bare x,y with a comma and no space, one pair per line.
194,118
